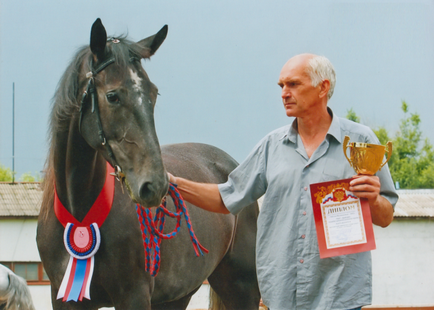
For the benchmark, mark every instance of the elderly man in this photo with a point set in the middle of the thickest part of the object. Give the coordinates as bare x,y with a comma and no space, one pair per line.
282,165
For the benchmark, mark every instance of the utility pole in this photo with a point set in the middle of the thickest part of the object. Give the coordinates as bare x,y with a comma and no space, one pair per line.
13,132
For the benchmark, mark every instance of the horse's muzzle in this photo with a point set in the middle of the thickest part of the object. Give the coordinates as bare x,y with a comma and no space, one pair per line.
151,192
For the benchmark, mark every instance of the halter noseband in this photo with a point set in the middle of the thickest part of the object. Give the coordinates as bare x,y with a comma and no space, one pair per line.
91,90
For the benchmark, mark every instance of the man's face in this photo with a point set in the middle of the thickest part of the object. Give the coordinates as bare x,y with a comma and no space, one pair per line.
298,95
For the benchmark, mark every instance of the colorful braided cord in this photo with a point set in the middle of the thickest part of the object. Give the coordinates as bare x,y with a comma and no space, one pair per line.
152,229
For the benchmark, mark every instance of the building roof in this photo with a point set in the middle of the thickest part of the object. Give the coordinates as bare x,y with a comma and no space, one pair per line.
412,203
415,203
24,199
20,199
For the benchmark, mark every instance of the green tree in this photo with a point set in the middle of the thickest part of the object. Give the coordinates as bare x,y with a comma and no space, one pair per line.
5,174
28,177
411,164
352,116
382,135
426,166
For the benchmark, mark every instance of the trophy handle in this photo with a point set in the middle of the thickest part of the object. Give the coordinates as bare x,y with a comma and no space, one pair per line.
345,146
389,153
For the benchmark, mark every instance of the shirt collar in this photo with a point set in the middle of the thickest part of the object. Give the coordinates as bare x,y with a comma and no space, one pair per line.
334,129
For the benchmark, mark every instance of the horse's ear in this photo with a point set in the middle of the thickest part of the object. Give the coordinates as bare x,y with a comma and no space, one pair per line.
98,39
151,44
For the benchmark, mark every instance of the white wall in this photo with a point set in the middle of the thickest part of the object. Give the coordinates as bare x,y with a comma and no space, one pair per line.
18,240
403,268
41,295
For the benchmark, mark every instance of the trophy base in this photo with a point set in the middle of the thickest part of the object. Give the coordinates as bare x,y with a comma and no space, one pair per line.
365,172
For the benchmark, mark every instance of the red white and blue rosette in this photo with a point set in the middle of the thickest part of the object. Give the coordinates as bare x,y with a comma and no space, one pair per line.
81,242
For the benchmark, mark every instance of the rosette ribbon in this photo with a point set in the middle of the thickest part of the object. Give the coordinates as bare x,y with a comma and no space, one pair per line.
82,241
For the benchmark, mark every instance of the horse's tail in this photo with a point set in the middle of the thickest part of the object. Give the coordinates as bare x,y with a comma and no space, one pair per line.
215,302
17,295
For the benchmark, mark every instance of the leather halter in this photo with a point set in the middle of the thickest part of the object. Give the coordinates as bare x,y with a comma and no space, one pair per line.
91,90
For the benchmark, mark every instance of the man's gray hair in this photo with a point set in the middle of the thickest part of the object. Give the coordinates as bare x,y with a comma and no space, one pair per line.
319,69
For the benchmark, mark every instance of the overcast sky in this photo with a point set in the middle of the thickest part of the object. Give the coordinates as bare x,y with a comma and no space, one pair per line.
217,70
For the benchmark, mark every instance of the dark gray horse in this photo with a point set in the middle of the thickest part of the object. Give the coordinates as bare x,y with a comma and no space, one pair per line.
103,112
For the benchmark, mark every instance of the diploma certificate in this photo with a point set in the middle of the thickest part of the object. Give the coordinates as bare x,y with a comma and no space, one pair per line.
343,221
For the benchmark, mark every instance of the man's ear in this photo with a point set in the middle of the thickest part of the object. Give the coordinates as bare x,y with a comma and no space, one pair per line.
325,87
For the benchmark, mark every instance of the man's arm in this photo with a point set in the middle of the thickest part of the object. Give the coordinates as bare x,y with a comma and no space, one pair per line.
364,186
203,195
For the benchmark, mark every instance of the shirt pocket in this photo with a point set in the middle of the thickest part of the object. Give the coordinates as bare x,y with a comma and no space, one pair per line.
336,169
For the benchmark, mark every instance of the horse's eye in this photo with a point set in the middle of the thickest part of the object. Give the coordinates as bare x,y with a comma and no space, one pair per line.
112,98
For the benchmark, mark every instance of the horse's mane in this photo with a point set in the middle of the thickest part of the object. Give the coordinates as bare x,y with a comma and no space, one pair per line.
17,295
66,101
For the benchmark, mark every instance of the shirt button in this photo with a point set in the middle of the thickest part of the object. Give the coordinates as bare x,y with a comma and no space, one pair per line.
305,188
303,236
304,212
302,261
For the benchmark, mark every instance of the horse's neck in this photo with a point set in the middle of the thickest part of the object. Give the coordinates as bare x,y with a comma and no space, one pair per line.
79,172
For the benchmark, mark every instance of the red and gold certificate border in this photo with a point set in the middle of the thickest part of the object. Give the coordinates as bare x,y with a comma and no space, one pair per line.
339,188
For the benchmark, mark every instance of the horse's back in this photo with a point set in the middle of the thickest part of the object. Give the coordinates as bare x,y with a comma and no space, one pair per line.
198,162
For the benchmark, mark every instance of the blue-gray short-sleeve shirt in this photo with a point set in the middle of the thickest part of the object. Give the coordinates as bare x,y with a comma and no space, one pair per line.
291,275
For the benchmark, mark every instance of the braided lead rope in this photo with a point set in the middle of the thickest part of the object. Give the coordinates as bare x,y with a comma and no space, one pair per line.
146,240
179,203
155,226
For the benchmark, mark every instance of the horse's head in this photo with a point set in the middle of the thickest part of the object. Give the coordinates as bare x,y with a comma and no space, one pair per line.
117,111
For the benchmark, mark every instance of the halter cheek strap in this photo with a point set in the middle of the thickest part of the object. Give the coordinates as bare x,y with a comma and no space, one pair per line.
91,91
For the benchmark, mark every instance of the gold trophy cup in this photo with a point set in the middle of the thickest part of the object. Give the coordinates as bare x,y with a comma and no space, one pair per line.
366,158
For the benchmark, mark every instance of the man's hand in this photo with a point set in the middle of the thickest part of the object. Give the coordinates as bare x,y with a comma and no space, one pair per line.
203,195
368,186
171,177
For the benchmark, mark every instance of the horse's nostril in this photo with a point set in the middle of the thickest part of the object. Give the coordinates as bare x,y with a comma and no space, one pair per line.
147,191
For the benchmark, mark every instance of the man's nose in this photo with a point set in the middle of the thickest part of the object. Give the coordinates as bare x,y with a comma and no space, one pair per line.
285,93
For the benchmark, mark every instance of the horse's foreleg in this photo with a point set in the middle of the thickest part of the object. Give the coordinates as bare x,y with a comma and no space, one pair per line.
179,304
85,304
58,304
134,294
133,303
